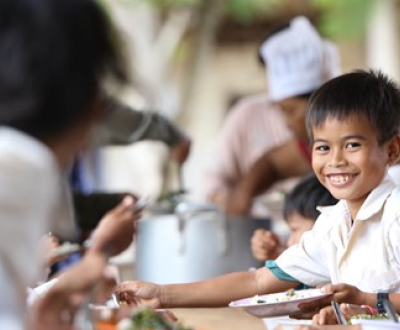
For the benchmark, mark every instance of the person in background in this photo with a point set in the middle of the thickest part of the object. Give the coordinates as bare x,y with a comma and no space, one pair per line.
300,212
54,60
120,125
123,125
252,127
297,62
354,141
102,292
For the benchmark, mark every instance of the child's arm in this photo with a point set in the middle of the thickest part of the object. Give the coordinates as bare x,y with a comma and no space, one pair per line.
218,291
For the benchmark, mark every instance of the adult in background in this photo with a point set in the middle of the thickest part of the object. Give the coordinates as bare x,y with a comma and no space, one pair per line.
298,61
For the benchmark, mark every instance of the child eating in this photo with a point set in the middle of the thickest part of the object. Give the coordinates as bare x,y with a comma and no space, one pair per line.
353,123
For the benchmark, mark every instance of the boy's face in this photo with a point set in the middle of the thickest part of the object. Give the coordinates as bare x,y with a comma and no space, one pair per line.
294,110
348,160
298,225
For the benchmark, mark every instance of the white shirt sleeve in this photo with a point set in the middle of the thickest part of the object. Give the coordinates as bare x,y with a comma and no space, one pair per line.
40,290
307,261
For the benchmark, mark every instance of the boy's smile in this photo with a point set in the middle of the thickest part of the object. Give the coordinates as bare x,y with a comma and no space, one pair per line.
348,159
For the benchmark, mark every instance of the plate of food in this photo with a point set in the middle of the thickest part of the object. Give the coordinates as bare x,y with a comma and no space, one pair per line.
291,302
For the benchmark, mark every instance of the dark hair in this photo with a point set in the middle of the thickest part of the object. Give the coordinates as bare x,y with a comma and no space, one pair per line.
54,56
306,196
365,94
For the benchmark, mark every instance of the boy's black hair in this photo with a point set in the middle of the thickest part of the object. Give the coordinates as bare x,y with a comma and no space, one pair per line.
365,94
306,196
53,58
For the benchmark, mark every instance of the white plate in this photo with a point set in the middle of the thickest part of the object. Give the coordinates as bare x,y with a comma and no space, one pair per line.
279,304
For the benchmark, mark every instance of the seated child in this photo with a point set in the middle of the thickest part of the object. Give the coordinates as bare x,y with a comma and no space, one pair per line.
300,212
353,123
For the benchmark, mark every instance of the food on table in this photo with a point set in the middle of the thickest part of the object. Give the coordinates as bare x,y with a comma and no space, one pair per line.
148,319
138,319
369,317
289,295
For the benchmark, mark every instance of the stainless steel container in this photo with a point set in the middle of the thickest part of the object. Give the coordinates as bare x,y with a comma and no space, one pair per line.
195,242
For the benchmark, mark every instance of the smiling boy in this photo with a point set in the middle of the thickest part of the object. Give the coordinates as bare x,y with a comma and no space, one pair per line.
353,122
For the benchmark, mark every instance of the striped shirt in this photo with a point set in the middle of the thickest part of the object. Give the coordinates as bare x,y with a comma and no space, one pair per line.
253,127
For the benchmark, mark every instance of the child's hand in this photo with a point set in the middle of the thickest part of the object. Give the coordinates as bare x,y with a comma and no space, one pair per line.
49,243
58,306
265,245
116,229
350,310
325,316
345,293
138,293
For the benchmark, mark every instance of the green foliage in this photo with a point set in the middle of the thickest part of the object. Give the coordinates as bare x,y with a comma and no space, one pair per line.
343,18
339,18
167,4
245,11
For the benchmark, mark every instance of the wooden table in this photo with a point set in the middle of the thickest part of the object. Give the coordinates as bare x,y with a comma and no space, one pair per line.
218,319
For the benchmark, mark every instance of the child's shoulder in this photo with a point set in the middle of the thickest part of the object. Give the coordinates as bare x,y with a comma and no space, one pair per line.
394,198
392,206
330,214
333,210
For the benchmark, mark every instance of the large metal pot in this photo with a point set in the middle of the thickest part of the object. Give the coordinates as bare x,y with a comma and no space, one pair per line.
195,242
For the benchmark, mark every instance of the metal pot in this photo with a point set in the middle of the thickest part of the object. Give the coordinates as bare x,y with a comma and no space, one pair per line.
195,242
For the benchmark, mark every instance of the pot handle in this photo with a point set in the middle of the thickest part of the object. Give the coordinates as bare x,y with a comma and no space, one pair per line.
223,224
182,217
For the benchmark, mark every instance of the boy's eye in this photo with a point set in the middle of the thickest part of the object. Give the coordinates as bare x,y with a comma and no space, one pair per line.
322,148
352,145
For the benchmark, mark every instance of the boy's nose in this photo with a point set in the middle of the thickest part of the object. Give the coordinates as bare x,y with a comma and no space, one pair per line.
336,163
337,160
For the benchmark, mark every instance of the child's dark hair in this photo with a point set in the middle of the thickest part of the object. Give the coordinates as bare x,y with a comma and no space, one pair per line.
306,196
365,94
53,58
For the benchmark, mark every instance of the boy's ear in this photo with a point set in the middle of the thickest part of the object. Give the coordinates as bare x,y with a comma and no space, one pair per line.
393,149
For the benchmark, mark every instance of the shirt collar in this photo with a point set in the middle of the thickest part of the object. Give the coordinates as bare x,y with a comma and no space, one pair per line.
375,200
371,206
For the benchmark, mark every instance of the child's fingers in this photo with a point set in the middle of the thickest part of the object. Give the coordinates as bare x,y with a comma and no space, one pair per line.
126,205
271,239
350,310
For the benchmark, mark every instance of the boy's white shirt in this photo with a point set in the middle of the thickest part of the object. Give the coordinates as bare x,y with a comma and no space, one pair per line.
366,255
29,188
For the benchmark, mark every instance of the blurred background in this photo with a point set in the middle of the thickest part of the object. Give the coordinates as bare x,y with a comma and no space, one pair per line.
192,59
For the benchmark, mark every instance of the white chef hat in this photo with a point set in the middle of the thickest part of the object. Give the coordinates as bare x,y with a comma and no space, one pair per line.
298,60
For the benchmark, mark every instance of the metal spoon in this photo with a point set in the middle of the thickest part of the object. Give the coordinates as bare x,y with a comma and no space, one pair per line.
390,310
338,313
